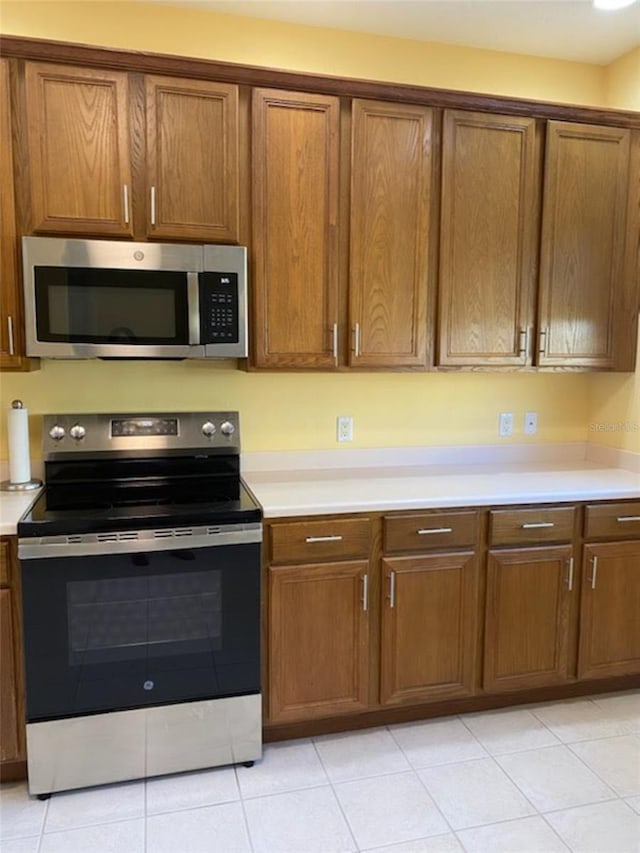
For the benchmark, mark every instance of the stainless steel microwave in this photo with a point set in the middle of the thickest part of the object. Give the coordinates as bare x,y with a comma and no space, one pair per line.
115,299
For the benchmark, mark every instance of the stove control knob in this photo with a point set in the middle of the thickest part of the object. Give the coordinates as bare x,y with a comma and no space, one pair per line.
208,429
57,432
78,432
227,428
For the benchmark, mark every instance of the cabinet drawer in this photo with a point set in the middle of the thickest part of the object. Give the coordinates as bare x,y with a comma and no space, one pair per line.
5,556
316,541
540,524
612,520
426,530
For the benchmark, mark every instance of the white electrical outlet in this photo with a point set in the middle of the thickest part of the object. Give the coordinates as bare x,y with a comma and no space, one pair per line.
530,423
505,424
345,428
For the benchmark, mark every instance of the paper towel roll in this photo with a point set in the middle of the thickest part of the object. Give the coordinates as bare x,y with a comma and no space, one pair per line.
18,435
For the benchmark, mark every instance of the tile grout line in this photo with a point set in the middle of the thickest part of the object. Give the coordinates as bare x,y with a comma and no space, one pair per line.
244,811
336,797
595,772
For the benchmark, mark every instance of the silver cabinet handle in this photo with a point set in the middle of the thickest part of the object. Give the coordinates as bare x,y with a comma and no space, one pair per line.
594,571
334,333
524,341
425,531
392,589
622,518
323,539
544,333
356,340
534,525
125,202
570,575
365,592
10,334
152,193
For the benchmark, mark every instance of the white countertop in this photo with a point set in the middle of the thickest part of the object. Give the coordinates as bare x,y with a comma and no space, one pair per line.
12,506
324,492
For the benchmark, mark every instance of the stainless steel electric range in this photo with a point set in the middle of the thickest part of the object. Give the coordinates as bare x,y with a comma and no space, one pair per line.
140,567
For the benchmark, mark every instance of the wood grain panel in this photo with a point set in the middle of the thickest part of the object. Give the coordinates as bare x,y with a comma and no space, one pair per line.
527,618
582,248
429,634
325,539
78,149
390,234
612,521
426,530
9,739
5,556
610,623
192,158
535,525
488,239
295,158
318,641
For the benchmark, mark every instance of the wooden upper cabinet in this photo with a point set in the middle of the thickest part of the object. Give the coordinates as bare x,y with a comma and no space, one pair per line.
78,148
488,239
192,159
391,175
295,163
582,265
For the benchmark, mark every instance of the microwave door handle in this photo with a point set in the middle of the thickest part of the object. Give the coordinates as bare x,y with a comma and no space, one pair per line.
193,305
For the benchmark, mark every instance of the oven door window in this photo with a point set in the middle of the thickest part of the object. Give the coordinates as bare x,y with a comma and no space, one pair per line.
102,306
120,631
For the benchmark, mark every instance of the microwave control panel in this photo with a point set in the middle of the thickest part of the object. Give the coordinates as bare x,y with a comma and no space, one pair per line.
218,308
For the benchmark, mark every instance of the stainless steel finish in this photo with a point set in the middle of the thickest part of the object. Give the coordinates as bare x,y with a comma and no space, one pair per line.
114,254
535,525
425,531
98,436
334,341
594,571
356,340
134,541
543,341
365,592
10,334
208,428
78,432
570,577
143,742
323,539
392,589
227,428
125,203
524,341
153,205
623,518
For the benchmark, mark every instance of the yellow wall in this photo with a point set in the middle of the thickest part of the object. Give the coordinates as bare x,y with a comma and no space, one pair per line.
282,411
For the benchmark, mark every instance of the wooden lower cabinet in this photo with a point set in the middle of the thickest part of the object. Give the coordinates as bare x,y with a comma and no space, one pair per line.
429,627
527,621
610,610
318,640
11,675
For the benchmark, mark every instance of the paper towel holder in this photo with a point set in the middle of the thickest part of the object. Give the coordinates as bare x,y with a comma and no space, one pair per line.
28,485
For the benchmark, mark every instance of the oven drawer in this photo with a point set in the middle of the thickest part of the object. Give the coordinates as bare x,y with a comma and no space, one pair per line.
612,521
539,524
317,541
426,530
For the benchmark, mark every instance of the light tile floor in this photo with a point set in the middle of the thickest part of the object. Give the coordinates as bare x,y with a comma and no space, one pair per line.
536,779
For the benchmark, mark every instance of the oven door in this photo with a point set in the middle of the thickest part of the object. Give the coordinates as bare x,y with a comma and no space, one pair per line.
145,621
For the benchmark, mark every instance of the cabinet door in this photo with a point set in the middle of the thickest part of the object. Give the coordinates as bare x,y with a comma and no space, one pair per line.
429,627
11,328
488,239
527,617
295,159
192,159
9,740
583,236
390,234
78,139
318,640
610,611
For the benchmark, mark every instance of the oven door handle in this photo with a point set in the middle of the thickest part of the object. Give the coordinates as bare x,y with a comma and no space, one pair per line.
135,541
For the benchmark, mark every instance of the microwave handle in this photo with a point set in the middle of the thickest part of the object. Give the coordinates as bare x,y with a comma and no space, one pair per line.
193,305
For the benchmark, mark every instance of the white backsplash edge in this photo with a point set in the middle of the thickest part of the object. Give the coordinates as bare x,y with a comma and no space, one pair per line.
612,457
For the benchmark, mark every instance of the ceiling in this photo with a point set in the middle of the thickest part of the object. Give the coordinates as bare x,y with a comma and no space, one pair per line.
565,29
